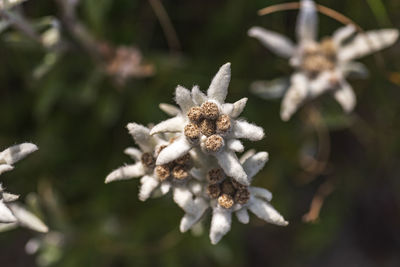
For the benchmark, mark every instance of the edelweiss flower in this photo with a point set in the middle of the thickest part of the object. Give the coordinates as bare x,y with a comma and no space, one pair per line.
320,67
13,214
208,123
226,196
153,177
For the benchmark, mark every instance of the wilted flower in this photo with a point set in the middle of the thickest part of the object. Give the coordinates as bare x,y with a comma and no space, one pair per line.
320,67
179,154
13,214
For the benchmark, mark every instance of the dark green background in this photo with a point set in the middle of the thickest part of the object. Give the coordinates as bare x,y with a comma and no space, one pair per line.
77,117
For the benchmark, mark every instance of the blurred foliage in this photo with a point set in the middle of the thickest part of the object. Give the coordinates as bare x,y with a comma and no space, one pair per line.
77,114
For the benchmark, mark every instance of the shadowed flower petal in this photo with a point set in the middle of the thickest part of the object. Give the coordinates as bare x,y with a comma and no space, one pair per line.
277,43
134,153
261,193
126,173
141,135
5,168
238,107
254,164
243,216
345,96
177,149
235,145
219,85
220,224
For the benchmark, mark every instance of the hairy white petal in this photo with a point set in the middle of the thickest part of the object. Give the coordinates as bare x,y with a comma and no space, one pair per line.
244,129
28,219
243,216
134,153
219,85
364,44
238,107
16,153
198,96
254,164
231,166
174,124
149,183
260,193
307,21
247,155
183,98
235,145
189,220
169,109
5,168
277,43
177,149
126,172
345,96
295,96
141,135
343,33
322,83
270,89
165,187
220,224
185,199
266,212
8,197
6,215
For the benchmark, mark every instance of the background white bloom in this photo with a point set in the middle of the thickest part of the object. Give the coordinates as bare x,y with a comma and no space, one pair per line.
320,67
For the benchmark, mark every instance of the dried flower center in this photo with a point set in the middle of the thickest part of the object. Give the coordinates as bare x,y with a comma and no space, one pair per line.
207,127
177,169
148,160
319,57
223,124
195,114
214,143
192,132
226,190
210,110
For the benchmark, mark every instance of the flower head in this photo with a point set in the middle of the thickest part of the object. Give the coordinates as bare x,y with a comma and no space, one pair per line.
11,213
207,122
179,155
320,67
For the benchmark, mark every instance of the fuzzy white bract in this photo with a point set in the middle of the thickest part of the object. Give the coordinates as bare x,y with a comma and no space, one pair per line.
179,155
13,214
320,67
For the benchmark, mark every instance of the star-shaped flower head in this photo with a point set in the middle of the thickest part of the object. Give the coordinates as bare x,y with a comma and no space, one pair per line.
208,123
13,214
320,67
153,177
226,196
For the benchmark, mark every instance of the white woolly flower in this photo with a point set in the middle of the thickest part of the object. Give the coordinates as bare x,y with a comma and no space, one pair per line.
13,214
207,122
226,196
320,67
153,178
